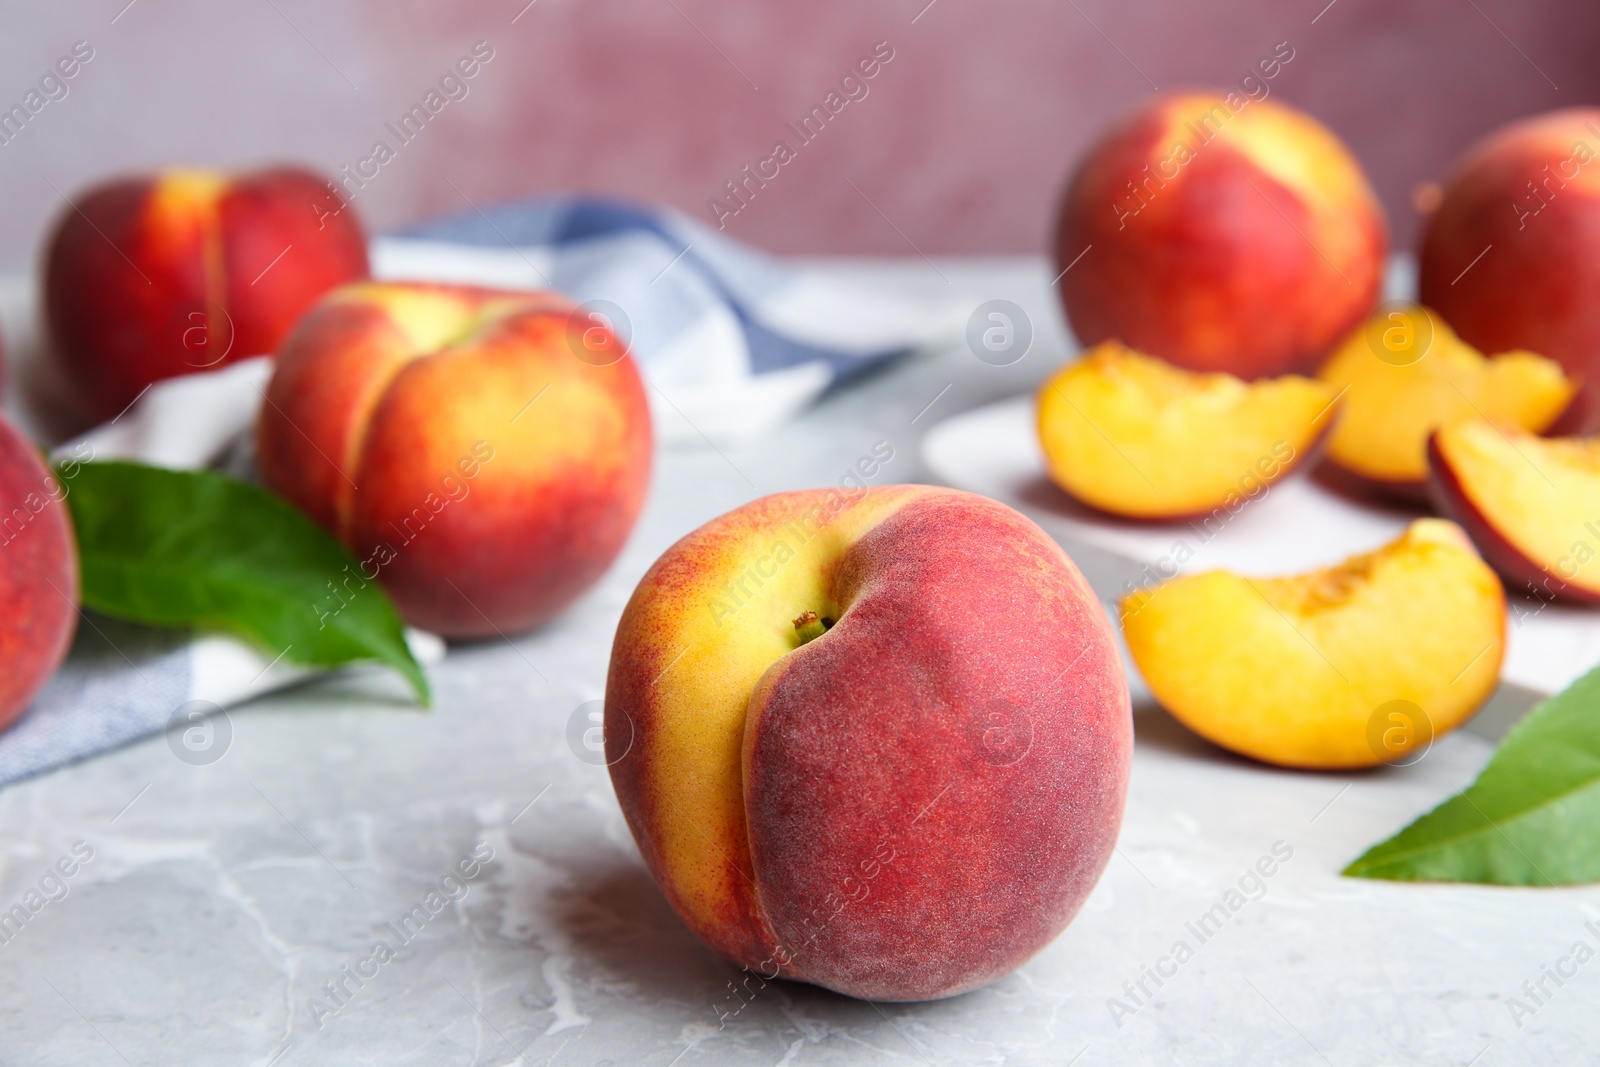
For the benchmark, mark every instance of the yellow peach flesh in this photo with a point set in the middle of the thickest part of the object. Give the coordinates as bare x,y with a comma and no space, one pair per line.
1293,670
1394,401
1541,495
1136,436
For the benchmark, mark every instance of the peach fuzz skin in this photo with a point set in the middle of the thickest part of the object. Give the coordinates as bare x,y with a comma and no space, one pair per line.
909,805
38,575
1253,254
151,277
1530,193
453,439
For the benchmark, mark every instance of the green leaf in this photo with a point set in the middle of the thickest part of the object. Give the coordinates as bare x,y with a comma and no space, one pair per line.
196,548
1531,818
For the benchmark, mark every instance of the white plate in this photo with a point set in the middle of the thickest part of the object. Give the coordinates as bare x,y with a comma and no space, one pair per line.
1297,525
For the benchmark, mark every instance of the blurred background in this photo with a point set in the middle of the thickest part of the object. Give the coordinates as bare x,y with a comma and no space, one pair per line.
958,146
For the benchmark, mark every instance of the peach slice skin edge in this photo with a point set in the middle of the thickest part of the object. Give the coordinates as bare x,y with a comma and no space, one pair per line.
1493,520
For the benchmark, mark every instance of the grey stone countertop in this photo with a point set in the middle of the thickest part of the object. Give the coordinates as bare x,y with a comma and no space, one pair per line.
210,906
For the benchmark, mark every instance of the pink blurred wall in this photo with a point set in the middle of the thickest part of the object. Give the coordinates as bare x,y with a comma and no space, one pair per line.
959,145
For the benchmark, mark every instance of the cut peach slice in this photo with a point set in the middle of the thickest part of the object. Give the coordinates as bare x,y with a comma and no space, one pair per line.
1350,666
1135,436
1405,374
1532,504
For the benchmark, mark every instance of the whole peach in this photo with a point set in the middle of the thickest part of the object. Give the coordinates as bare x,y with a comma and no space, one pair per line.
38,574
876,740
483,453
151,277
1220,234
1508,256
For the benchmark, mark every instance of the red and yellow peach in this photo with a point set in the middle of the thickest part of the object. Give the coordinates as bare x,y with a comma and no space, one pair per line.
1508,255
1244,240
484,453
38,574
877,741
152,277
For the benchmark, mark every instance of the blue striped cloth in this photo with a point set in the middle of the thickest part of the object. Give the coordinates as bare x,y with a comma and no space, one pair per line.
733,340
121,682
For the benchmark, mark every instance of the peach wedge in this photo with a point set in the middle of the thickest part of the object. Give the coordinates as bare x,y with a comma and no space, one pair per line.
1350,666
1135,436
1532,504
1405,374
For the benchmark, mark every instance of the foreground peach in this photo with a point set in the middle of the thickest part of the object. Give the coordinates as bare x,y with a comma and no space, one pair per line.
1405,374
874,740
1138,437
1350,666
483,453
1244,240
1531,504
1508,255
38,574
150,277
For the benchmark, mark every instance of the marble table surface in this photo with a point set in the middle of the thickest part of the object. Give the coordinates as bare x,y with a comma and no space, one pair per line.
210,909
